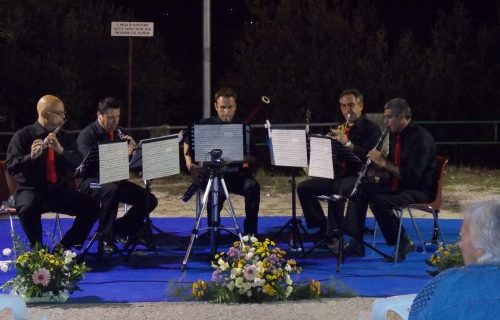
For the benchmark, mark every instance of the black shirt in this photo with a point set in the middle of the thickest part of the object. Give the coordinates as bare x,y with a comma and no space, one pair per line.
31,173
418,158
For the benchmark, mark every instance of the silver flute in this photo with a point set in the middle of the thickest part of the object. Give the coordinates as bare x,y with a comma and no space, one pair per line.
45,142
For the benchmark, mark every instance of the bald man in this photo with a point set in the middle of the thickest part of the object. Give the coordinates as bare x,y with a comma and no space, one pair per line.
39,159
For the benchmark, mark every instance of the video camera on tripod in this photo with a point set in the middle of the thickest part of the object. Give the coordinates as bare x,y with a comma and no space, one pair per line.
216,163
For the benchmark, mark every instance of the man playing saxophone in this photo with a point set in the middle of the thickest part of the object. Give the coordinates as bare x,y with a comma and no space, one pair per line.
38,157
359,135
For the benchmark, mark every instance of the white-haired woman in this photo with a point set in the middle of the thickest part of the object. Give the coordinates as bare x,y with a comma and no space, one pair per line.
473,291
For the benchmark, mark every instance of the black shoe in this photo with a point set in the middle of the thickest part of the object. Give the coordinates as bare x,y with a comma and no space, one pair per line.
107,247
405,246
352,249
334,245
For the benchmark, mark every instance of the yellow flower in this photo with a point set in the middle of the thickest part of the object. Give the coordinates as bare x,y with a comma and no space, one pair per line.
200,288
315,288
269,290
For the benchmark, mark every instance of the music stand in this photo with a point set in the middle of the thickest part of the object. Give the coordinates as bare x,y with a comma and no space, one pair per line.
214,140
157,157
324,152
110,159
288,148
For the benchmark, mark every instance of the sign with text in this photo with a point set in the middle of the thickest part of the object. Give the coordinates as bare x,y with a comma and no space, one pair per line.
132,29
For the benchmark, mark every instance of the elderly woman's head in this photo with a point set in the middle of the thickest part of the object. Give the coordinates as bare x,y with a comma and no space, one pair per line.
480,233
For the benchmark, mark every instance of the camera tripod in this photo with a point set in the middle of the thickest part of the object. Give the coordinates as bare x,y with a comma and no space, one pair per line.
215,170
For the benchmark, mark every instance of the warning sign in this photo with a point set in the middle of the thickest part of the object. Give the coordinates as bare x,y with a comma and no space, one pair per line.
132,29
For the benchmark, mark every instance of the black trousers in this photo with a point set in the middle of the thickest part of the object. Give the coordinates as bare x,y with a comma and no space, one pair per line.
311,207
142,202
243,184
31,204
382,201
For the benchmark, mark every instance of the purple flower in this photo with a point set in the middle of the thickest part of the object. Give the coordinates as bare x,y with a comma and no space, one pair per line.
217,277
42,276
233,252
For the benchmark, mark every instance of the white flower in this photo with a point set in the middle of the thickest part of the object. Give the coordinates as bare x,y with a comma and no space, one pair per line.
288,291
4,266
230,286
289,281
68,254
253,239
288,268
238,283
249,256
259,282
249,293
6,252
223,265
245,238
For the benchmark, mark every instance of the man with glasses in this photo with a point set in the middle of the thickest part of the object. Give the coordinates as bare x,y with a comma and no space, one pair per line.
39,158
411,164
359,135
141,201
238,179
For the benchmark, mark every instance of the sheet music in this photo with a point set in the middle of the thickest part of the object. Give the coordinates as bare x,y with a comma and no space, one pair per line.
113,162
288,148
227,137
321,159
160,158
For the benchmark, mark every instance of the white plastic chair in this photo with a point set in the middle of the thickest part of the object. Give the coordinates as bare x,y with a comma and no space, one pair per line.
17,305
398,304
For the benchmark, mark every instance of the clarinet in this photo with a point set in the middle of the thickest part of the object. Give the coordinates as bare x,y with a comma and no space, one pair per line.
366,165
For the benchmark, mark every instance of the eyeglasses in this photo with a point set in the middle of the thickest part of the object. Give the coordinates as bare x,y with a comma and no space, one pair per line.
59,113
348,105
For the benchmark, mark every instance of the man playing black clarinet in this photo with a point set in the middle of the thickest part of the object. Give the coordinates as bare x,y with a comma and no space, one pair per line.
39,157
412,169
238,179
359,135
141,201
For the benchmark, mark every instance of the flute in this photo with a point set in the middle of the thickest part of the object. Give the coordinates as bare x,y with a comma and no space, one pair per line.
45,142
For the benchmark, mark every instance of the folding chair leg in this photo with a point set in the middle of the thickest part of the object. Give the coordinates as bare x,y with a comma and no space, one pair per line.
399,213
417,230
436,223
375,228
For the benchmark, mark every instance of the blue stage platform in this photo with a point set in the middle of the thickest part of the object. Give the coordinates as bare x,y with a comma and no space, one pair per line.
149,275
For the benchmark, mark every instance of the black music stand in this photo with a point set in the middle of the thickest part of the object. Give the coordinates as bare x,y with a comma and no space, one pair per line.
90,167
136,163
279,148
340,153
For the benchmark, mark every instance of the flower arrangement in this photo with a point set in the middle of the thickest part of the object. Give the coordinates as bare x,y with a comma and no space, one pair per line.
41,273
445,257
250,271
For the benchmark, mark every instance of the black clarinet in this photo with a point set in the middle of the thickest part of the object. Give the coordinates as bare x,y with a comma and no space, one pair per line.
366,165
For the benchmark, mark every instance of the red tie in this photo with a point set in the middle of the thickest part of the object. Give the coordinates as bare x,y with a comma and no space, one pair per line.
111,136
397,160
51,166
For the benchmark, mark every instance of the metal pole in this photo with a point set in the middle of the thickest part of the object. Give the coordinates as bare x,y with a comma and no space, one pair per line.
206,59
129,89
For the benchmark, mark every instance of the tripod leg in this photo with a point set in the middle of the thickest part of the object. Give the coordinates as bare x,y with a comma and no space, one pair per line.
196,227
231,209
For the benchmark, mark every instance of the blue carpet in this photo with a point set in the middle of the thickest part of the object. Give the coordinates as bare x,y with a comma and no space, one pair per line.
150,275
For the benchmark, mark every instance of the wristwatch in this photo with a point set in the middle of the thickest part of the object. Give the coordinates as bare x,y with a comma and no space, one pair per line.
348,144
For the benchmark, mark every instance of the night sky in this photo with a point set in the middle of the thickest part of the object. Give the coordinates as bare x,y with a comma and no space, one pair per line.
180,21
